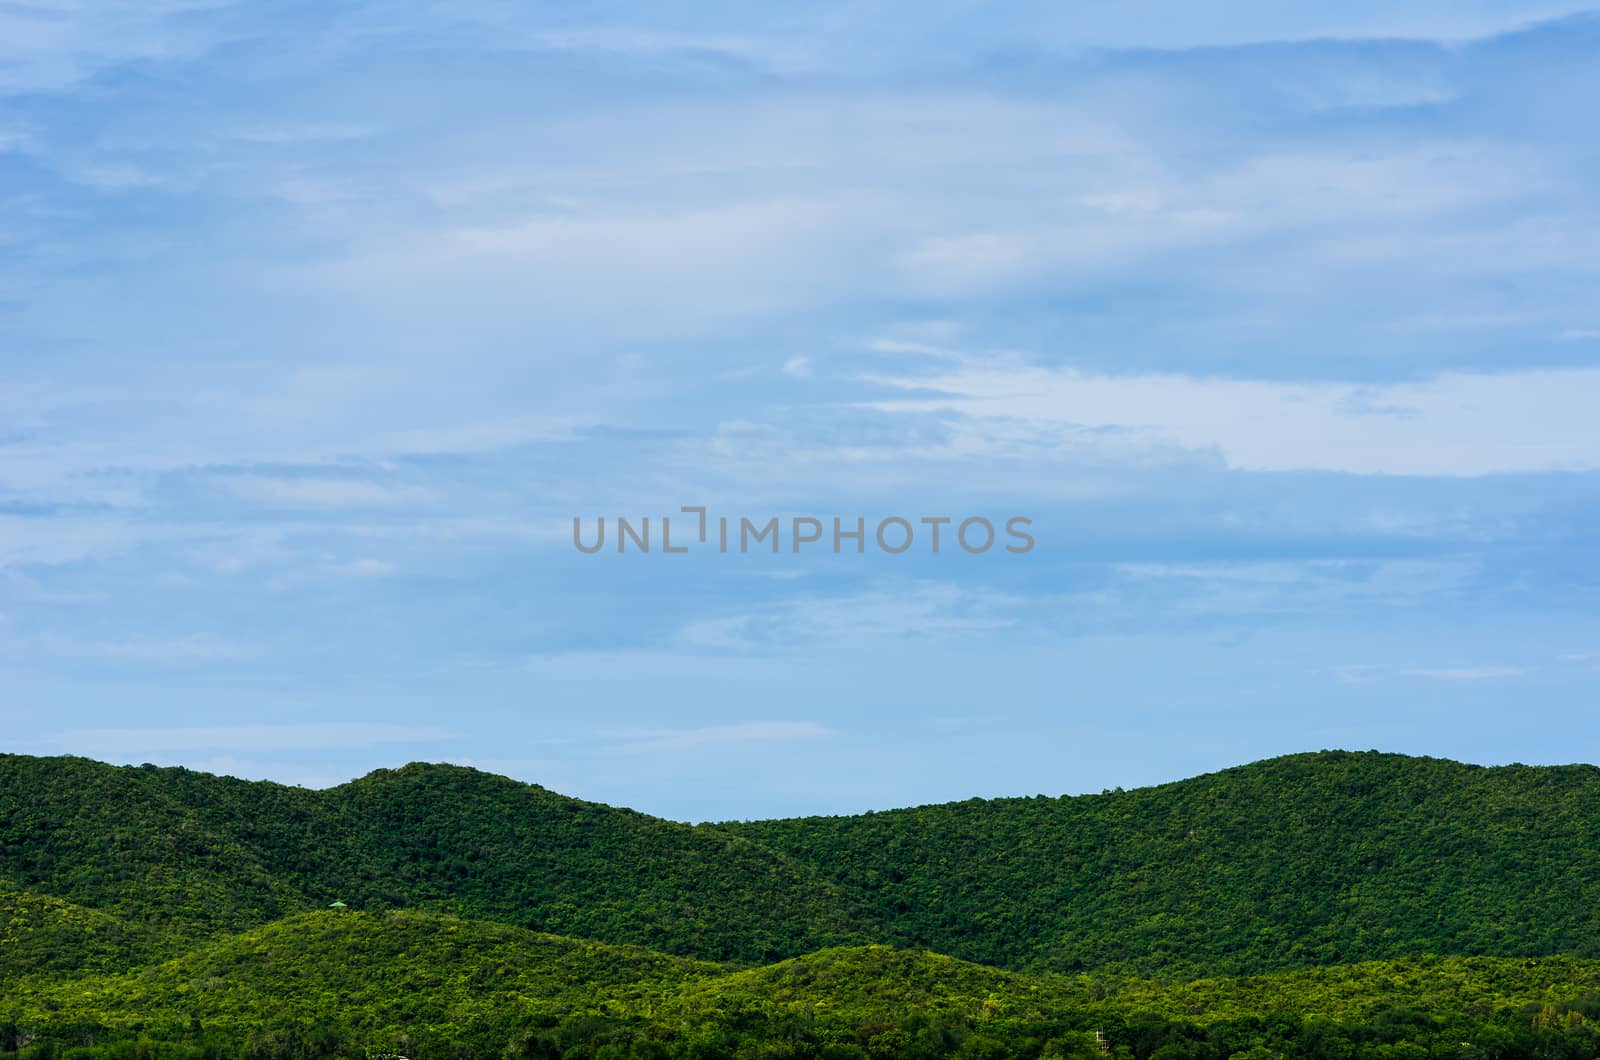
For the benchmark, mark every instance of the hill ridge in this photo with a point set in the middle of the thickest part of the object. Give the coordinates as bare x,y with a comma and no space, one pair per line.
1292,861
330,983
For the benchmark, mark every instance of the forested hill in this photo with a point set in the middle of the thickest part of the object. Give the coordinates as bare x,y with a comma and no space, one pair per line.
355,984
1298,861
1304,860
177,855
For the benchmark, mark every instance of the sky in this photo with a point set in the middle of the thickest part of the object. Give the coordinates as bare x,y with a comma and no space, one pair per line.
320,323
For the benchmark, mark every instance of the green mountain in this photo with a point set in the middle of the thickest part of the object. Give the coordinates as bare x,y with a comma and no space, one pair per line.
374,971
336,983
1338,905
39,933
1309,859
186,856
1298,861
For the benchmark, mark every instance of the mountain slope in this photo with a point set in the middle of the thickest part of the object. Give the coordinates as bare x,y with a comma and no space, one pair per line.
335,983
1309,859
188,856
39,933
1294,862
370,970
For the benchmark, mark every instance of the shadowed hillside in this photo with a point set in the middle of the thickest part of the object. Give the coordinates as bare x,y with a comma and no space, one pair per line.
1299,861
190,855
1308,859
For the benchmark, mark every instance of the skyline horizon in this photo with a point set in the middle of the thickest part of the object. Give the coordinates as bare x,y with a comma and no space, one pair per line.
425,763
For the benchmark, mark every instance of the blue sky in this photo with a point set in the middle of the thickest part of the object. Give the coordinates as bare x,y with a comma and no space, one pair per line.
320,323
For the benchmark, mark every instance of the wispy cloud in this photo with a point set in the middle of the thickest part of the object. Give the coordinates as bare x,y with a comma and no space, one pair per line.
199,647
924,610
670,741
311,132
52,47
309,736
322,492
1465,673
1456,424
1358,674
137,650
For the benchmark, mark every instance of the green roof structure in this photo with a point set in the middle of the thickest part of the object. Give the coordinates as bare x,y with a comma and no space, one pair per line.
338,905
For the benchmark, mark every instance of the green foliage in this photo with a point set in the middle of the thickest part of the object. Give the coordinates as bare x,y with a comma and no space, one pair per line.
427,985
372,971
39,933
1294,862
164,913
184,856
1297,861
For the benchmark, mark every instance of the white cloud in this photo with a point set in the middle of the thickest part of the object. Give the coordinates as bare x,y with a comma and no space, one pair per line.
840,37
1457,424
322,492
1262,588
917,610
201,647
749,252
659,741
46,45
314,736
188,650
621,40
1464,673
477,436
365,568
310,132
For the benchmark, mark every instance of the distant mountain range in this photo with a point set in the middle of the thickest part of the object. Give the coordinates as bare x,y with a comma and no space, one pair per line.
1296,861
138,894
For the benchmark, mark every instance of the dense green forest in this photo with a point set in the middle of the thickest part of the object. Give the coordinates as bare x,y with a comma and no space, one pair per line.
1308,859
348,983
1334,905
181,855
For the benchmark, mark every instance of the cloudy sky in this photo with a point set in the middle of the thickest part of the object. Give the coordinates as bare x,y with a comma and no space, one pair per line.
319,324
